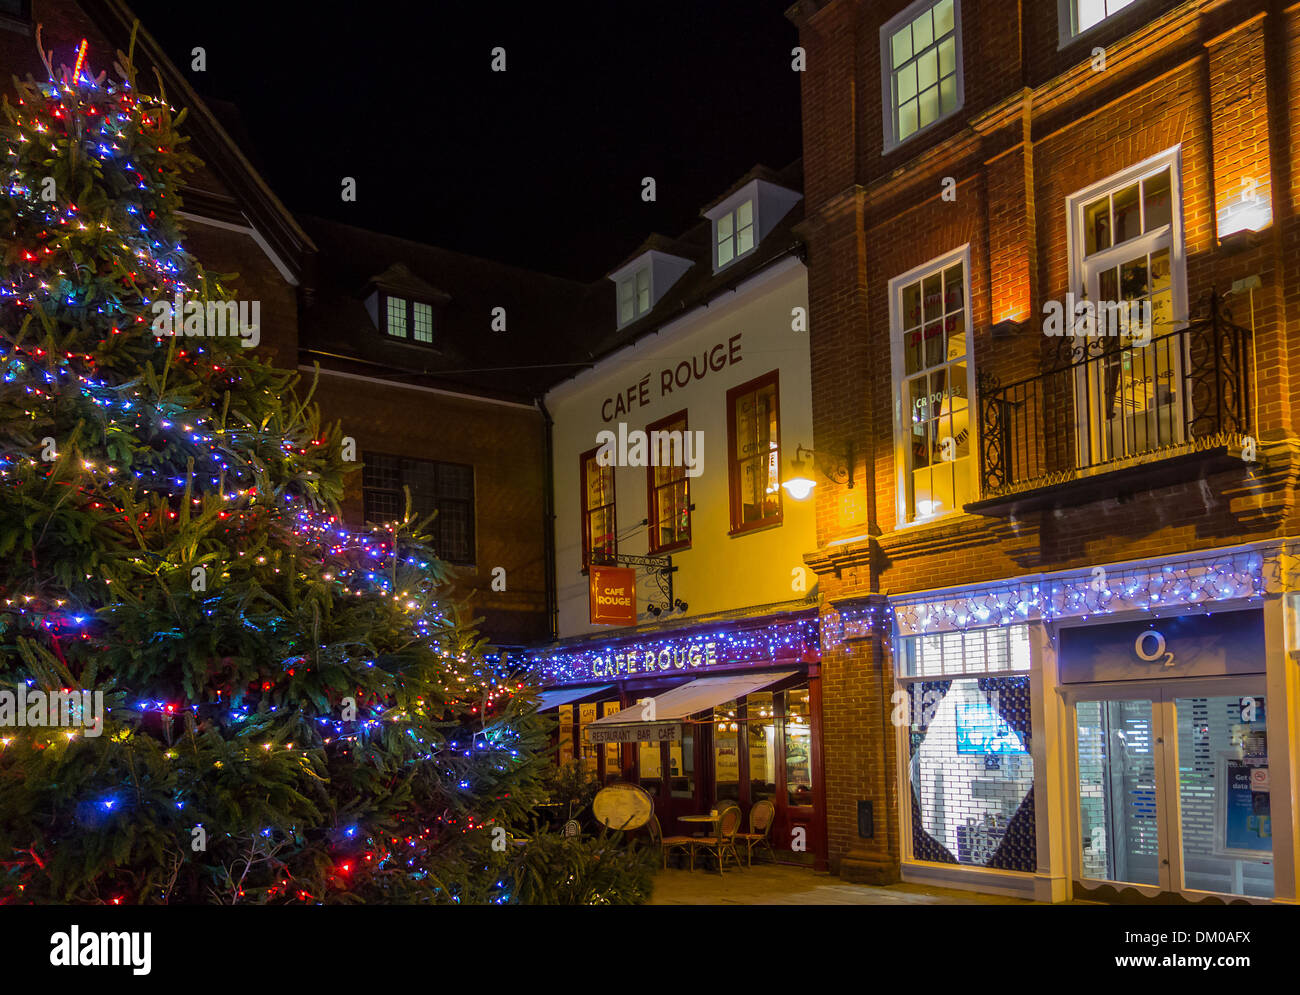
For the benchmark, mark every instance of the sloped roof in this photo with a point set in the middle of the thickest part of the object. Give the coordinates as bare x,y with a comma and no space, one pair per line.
544,331
700,284
244,196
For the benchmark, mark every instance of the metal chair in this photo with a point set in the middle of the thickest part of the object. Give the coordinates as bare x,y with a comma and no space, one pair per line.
670,843
724,842
761,817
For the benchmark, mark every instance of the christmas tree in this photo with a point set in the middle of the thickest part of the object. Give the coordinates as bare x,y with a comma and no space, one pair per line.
210,689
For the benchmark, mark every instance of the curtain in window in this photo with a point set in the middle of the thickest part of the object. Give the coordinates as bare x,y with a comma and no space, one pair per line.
1018,851
923,702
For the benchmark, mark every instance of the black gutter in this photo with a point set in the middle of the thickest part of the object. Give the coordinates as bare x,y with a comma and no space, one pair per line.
548,525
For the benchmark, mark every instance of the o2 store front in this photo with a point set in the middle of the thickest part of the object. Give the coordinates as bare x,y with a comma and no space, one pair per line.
1135,743
698,714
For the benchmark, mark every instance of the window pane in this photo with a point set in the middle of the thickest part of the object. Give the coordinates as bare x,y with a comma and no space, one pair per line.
1090,12
906,78
744,240
912,305
590,751
907,119
1159,203
681,764
745,214
613,760
948,94
798,747
1128,222
724,228
423,323
651,767
724,252
643,291
901,46
947,57
761,731
396,324
726,751
1221,742
927,69
566,734
1096,224
928,103
1117,791
1133,279
943,18
922,32
933,288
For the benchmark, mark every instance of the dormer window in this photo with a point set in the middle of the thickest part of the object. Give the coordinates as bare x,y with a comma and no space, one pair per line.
643,281
1078,16
634,296
734,233
744,217
408,319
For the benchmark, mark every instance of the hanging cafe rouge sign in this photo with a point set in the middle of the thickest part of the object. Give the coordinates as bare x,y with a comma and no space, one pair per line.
786,640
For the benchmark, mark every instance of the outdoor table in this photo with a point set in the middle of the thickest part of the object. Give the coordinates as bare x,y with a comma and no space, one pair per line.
711,820
706,819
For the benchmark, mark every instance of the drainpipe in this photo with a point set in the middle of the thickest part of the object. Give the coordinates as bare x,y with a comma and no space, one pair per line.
548,525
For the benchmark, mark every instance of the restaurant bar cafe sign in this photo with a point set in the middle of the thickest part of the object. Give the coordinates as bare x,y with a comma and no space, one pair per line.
646,732
613,595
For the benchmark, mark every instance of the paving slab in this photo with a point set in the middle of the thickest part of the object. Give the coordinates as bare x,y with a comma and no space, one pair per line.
777,884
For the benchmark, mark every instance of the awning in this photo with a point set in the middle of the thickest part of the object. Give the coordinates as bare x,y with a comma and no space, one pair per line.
563,696
661,721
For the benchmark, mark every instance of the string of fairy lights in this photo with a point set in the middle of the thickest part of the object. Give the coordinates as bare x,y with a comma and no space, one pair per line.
201,467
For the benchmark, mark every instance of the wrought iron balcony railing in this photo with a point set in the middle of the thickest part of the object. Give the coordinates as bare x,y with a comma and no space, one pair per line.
1106,402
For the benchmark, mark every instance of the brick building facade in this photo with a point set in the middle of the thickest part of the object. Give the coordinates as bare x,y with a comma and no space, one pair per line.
1019,488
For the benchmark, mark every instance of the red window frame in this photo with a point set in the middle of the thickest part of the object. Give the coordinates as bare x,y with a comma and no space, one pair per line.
653,489
590,454
738,525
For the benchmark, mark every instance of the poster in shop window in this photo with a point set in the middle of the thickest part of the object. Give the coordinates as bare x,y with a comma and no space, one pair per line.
1245,829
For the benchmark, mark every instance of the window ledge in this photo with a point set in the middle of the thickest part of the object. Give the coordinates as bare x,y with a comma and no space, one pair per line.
745,530
891,146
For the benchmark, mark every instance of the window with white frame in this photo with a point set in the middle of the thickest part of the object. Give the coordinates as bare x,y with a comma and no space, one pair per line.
408,319
969,729
1077,16
931,350
734,233
1127,256
634,296
921,80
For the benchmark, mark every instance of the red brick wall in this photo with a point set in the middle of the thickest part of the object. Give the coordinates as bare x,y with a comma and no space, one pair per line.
1037,125
506,447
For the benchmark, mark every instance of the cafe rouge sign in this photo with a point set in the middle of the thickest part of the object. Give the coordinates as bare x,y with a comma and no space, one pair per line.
613,595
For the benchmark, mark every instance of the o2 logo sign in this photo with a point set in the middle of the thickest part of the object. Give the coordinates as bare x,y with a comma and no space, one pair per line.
1150,647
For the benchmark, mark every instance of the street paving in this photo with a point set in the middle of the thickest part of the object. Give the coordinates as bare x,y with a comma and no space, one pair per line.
776,884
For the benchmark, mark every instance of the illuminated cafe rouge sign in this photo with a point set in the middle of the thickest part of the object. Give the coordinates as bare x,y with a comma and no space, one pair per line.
717,647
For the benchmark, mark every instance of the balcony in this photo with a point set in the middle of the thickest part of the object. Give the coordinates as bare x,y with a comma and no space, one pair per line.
1111,417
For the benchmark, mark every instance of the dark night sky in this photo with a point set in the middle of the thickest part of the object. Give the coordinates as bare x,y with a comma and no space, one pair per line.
539,166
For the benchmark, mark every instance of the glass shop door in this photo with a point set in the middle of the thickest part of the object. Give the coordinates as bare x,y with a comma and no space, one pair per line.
1170,791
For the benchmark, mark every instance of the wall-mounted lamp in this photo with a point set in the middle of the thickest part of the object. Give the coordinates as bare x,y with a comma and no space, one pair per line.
800,483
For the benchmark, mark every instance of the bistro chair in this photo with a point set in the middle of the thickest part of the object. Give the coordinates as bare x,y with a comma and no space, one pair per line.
667,844
761,817
725,840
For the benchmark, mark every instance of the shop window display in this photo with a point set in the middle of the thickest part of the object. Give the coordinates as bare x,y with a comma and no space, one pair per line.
971,773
